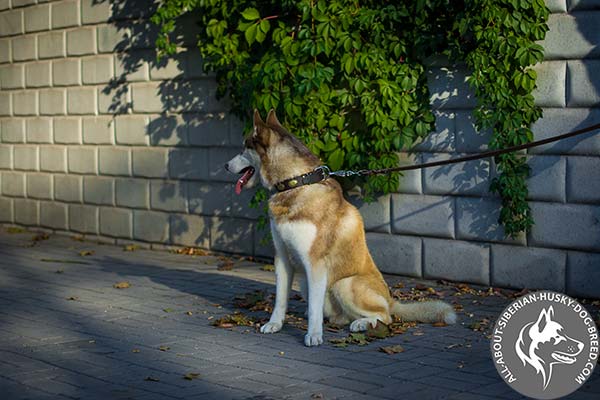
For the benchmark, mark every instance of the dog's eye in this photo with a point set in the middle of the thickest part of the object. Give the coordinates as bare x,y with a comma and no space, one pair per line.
558,339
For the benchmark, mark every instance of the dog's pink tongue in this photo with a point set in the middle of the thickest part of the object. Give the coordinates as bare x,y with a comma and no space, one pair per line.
242,181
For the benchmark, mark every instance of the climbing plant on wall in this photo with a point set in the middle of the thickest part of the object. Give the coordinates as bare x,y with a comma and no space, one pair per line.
348,76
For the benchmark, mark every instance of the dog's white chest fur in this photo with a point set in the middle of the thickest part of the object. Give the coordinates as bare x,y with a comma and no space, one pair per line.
297,237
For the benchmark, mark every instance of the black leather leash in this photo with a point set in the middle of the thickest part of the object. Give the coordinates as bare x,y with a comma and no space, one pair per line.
323,172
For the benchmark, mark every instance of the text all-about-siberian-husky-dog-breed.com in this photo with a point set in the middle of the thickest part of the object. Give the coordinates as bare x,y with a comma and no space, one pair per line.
319,235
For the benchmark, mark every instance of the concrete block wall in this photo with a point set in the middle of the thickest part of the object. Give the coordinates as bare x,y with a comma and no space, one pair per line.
99,139
443,222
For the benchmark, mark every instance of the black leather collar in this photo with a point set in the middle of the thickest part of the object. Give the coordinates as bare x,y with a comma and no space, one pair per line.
319,174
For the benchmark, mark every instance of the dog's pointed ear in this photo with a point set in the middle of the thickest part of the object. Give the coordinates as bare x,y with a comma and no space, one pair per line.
272,118
544,318
257,119
258,123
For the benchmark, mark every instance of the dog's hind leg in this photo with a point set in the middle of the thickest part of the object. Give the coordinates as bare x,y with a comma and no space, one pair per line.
360,303
284,273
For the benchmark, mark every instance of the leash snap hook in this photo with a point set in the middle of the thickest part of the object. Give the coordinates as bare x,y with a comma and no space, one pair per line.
325,169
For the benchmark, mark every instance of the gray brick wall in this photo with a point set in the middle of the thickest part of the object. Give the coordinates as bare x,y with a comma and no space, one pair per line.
98,138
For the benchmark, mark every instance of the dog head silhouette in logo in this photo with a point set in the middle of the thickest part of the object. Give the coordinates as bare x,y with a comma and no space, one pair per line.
543,344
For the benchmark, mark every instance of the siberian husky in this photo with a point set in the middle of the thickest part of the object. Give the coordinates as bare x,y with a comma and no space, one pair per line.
544,343
317,233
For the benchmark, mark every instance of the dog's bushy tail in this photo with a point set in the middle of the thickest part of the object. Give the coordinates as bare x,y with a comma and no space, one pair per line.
425,311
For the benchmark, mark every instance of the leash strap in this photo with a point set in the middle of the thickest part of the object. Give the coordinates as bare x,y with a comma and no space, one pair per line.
486,154
323,172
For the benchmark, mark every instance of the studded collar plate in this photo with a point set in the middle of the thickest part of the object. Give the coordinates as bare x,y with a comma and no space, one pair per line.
319,174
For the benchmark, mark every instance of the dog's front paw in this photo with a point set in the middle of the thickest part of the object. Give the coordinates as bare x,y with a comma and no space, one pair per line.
313,339
271,327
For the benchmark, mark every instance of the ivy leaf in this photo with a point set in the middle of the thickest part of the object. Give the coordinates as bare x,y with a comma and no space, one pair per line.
336,159
264,26
250,33
250,14
260,37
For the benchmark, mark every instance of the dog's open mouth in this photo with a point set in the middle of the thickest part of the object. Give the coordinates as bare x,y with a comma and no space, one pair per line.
563,358
246,175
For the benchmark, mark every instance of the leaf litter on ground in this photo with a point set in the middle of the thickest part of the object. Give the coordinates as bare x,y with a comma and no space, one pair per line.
254,301
231,320
122,285
191,376
190,251
380,331
85,253
392,349
131,247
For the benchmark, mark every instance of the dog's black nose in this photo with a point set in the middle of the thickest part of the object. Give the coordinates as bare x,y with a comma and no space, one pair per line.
227,166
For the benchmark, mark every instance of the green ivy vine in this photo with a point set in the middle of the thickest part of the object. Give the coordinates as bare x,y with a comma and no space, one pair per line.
348,76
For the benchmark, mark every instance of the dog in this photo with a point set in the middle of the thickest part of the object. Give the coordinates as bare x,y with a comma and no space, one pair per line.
319,235
543,344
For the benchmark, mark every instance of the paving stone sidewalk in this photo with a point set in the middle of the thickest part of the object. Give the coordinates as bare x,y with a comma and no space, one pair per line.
66,332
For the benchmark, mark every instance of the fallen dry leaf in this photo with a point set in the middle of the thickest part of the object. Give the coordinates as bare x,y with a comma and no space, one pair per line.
439,324
122,285
135,350
78,238
392,349
268,267
191,376
131,247
520,293
333,328
167,310
14,229
297,296
164,348
59,271
380,331
189,313
40,237
85,253
73,298
316,396
225,266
